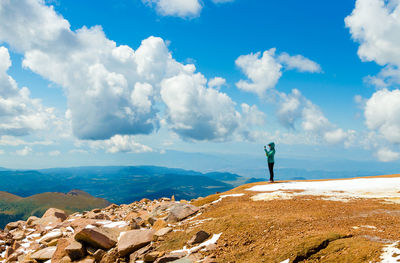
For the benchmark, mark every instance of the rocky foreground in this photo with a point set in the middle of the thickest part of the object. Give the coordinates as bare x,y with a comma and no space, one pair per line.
320,221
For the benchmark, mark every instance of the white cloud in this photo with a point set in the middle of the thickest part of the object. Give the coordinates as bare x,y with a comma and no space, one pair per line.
19,113
120,143
179,8
197,112
382,113
263,72
295,110
387,155
24,152
375,24
216,82
299,62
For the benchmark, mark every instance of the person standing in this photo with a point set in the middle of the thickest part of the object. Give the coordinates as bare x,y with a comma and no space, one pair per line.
271,160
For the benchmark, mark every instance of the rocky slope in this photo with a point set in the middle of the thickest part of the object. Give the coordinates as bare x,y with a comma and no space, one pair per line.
316,221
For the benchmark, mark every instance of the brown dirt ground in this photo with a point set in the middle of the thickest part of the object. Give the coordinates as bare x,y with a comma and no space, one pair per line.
304,229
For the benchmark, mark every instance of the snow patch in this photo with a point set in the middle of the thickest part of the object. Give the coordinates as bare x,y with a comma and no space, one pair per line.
119,224
387,189
286,261
90,227
391,254
224,196
212,240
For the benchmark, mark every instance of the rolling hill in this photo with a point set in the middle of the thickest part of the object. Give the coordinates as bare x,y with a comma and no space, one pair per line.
13,207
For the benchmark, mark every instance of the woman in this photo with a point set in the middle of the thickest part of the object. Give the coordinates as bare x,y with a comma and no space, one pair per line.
271,161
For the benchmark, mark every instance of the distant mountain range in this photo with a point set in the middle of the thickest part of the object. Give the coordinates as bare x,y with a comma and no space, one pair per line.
13,207
120,184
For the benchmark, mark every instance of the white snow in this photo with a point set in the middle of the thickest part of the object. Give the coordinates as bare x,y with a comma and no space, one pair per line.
70,229
381,188
286,261
212,240
391,254
90,227
224,196
119,224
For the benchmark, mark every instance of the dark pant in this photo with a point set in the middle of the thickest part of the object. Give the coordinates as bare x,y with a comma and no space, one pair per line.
271,171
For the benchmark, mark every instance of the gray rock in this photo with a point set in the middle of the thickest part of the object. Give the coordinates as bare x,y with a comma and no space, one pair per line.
180,211
199,237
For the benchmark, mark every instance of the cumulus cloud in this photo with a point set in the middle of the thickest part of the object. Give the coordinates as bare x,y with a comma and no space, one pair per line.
382,114
115,90
375,25
120,143
264,71
387,155
179,8
19,113
197,112
295,110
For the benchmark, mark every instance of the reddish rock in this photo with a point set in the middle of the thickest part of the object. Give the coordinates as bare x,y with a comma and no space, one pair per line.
75,250
110,257
44,254
57,213
96,237
60,251
131,241
163,231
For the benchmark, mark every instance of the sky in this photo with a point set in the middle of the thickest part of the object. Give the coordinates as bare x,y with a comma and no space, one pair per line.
130,82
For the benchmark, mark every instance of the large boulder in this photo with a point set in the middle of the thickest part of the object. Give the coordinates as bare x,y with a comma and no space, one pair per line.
44,254
53,216
132,240
180,211
96,237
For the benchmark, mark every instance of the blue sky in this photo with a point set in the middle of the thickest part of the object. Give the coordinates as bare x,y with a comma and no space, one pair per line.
139,86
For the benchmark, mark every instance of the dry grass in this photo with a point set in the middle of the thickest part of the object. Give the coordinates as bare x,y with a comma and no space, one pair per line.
306,229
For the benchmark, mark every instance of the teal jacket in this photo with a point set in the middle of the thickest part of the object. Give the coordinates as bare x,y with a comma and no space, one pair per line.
270,154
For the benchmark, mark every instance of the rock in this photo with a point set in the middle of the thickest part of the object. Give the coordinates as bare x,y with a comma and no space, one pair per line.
163,231
183,260
65,259
159,224
75,250
50,236
44,254
169,258
199,237
57,213
180,211
60,251
99,254
86,260
13,225
110,257
151,257
139,253
18,234
96,237
52,216
132,240
32,220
